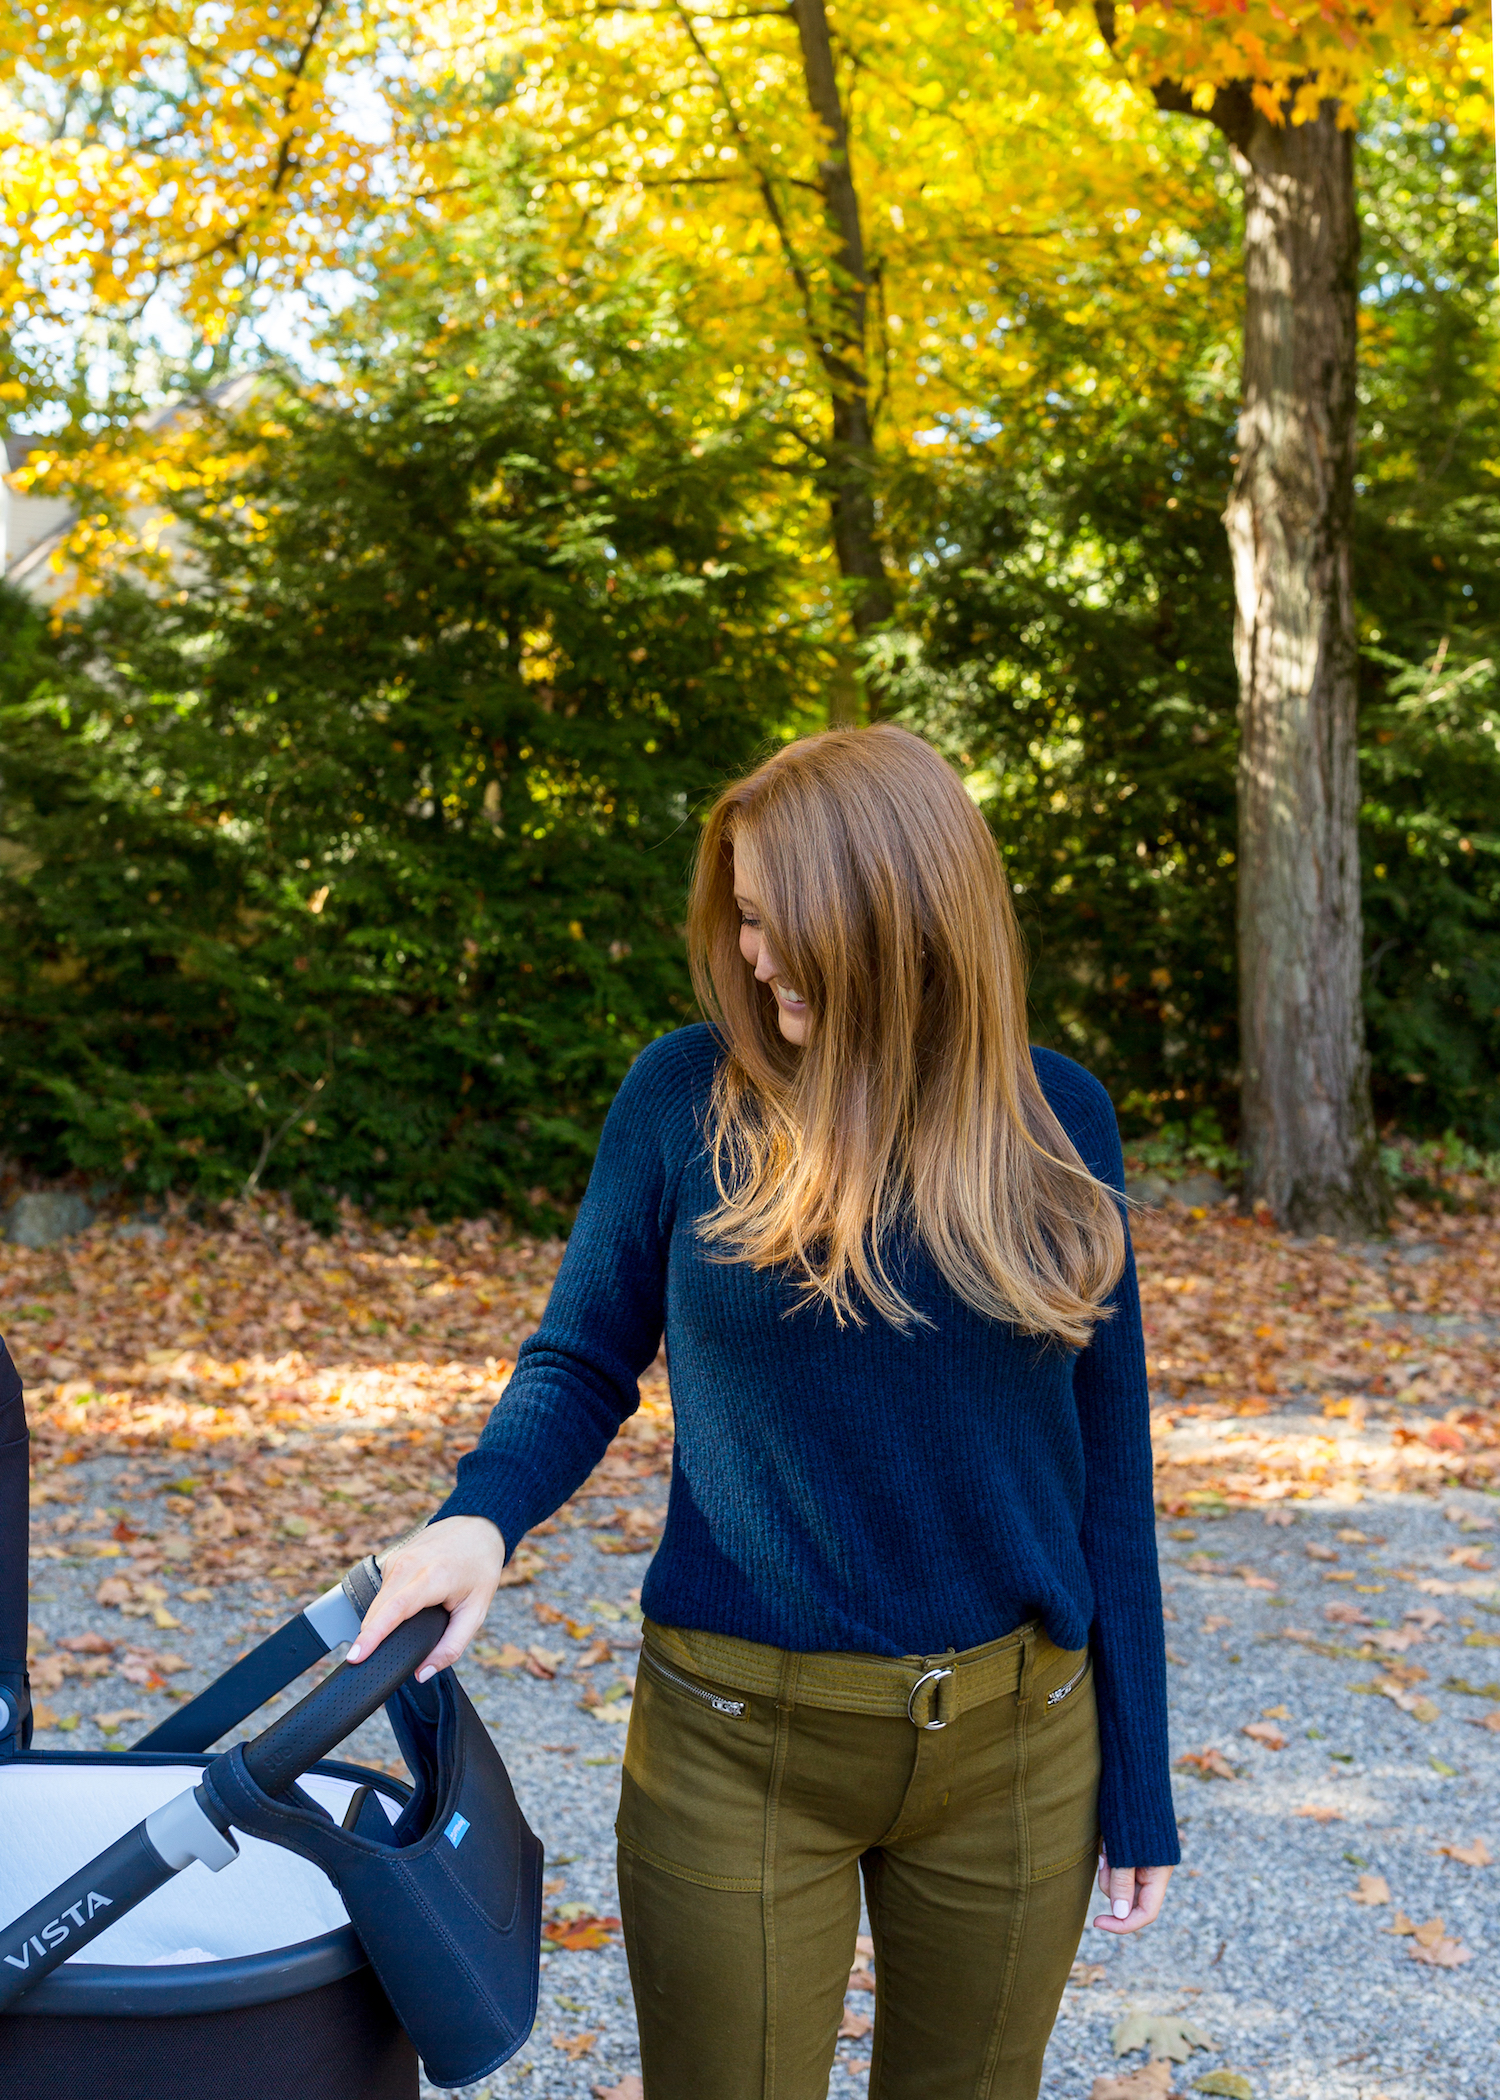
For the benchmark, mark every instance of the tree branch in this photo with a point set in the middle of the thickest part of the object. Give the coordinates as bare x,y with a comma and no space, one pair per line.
1231,111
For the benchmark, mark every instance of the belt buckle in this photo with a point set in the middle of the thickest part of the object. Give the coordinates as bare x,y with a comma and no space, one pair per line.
927,1677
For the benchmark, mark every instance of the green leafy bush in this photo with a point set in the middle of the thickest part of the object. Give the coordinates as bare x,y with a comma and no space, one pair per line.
358,863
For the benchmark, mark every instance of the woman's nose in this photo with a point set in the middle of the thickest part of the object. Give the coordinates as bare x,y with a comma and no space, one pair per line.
766,965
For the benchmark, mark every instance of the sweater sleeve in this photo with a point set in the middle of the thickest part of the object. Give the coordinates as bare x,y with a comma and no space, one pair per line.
1118,1538
576,1377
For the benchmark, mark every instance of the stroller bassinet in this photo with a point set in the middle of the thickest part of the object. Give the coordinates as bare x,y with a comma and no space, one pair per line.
255,1984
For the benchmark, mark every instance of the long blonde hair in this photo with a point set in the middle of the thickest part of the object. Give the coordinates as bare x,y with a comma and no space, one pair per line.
913,1105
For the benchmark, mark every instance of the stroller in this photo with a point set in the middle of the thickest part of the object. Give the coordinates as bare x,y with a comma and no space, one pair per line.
268,1923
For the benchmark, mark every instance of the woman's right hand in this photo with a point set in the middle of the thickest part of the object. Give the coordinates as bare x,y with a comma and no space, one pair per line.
457,1563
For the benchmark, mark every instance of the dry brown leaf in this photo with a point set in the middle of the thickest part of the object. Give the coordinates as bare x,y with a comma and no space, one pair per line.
1207,1763
1491,1720
1373,1889
1315,1813
87,1644
117,1718
1215,1623
1345,1615
1441,1953
575,2045
1083,1973
860,1978
1152,2082
1315,1551
1476,1855
1401,1925
854,2026
629,2088
1266,1733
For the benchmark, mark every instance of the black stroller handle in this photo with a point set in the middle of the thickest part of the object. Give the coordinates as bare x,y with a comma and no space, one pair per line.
341,1703
185,1828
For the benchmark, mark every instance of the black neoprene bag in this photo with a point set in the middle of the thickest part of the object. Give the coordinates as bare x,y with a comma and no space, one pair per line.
447,1901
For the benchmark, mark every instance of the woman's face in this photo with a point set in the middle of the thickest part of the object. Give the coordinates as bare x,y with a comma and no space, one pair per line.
761,956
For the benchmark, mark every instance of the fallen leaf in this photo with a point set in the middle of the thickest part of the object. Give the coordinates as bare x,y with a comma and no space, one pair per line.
1086,1972
1476,1855
1276,1713
1412,1703
510,1657
1426,1616
1373,1889
1490,1720
87,1644
111,1721
1265,1732
581,1935
1225,2085
1160,2034
1345,1615
542,1662
596,1652
1207,1763
575,2045
860,1979
1317,1552
1317,1814
1470,1557
1152,2082
114,1589
854,2026
1441,1953
629,2088
1401,1924
1214,1623
42,1716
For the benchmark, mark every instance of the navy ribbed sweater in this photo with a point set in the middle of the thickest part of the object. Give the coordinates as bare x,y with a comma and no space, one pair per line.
854,1489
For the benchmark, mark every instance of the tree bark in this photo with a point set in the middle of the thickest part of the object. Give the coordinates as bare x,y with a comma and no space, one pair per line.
1308,1126
841,338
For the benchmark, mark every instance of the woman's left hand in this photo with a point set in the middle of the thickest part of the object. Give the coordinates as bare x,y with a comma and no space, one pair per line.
1135,1895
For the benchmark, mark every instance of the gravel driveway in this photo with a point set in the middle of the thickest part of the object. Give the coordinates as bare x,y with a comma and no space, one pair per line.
1306,1992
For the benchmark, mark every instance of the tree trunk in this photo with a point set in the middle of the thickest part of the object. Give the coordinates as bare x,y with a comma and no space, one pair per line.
1308,1126
840,335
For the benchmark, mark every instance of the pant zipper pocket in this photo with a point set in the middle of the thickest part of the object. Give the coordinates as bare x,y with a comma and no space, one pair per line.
734,1708
1063,1689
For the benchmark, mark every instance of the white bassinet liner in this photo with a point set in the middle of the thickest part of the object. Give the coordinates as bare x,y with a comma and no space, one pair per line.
55,1818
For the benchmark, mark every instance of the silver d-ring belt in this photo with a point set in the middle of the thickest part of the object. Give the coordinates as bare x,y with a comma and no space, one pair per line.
927,1677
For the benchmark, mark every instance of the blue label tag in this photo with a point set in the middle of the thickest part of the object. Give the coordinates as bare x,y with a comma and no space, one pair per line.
454,1833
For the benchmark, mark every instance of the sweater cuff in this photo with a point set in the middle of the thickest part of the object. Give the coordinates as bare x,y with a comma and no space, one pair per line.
1142,1831
498,1490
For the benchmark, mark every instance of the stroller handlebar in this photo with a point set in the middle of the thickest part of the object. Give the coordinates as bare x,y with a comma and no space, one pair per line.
138,1863
341,1703
82,1907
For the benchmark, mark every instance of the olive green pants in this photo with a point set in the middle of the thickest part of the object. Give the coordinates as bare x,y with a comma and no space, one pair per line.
759,1784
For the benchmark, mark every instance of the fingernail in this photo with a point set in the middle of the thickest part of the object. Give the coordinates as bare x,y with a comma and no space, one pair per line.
355,1653
425,1672
1120,1907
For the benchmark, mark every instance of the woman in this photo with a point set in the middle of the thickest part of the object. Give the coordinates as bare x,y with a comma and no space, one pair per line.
904,1620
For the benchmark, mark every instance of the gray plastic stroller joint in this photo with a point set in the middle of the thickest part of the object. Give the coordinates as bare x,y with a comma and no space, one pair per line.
182,1830
333,1617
